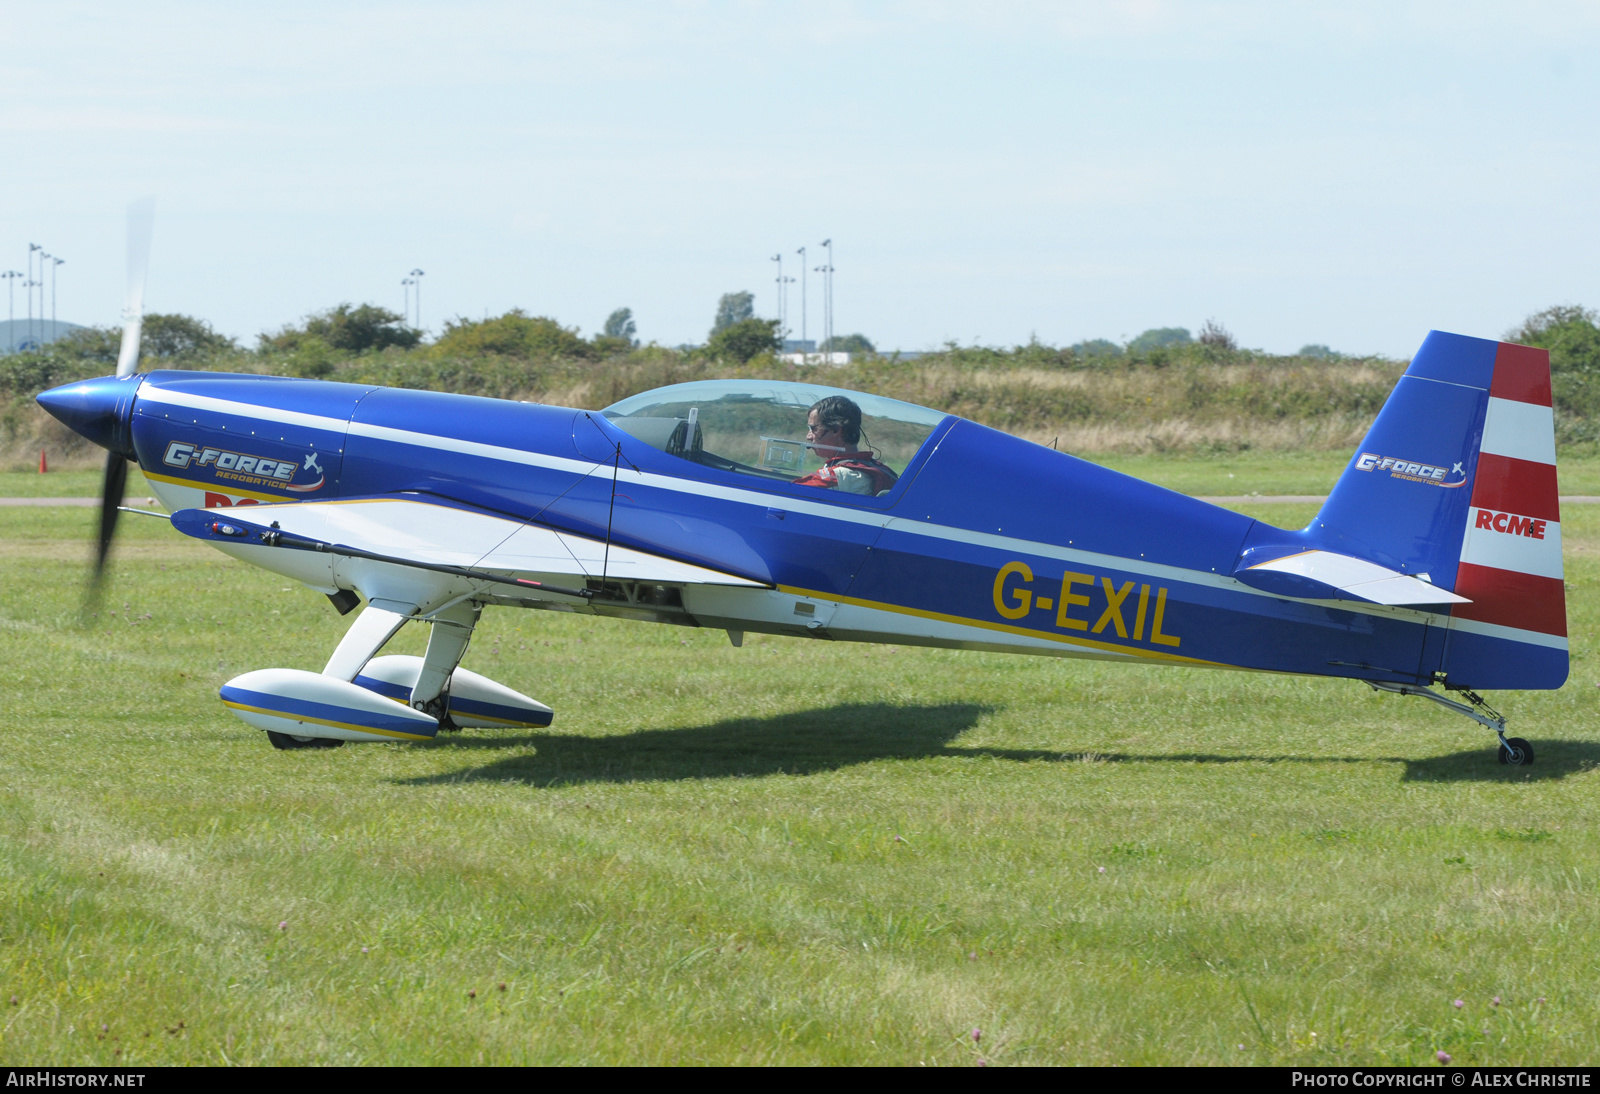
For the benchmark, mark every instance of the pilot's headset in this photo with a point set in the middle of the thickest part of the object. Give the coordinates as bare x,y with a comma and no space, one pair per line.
864,443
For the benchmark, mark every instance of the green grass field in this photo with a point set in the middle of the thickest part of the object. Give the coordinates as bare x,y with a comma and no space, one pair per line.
793,852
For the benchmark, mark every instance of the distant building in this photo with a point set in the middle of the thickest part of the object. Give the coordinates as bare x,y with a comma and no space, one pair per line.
835,359
797,352
21,335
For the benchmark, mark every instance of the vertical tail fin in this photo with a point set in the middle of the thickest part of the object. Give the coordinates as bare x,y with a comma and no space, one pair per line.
1455,483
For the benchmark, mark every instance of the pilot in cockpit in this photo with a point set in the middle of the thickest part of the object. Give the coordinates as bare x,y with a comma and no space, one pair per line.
833,432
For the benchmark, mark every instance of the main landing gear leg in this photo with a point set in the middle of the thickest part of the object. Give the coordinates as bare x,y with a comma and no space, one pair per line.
366,636
1514,750
452,629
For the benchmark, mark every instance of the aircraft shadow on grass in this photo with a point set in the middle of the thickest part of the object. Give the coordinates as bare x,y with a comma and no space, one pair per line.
813,741
1553,759
800,743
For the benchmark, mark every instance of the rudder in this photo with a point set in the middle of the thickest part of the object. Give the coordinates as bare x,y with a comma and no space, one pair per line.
1510,567
1455,483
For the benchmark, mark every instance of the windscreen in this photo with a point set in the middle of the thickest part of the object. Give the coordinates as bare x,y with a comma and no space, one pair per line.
766,428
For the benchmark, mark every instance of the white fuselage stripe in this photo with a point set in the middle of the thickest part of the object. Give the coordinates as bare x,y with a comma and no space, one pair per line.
823,510
1509,634
166,397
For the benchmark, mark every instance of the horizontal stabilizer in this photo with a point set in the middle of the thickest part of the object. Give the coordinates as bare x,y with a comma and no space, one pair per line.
1325,575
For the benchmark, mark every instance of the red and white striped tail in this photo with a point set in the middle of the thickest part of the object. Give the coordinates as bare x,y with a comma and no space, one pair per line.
1511,555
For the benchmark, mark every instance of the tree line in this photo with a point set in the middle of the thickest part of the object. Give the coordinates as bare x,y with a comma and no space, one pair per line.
516,353
1166,394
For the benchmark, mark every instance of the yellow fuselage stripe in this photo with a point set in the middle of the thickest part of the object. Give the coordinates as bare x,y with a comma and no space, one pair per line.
1153,655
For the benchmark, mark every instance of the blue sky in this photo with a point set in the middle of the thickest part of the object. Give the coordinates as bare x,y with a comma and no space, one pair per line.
1350,174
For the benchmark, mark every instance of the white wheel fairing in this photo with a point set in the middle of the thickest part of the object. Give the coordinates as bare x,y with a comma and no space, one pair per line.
476,702
307,704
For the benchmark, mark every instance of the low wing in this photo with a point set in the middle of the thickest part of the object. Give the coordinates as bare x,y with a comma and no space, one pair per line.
431,534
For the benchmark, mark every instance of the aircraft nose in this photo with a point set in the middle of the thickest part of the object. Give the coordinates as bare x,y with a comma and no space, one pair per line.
99,409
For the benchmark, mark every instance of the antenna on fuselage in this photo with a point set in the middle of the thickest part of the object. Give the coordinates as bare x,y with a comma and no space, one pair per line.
605,564
616,466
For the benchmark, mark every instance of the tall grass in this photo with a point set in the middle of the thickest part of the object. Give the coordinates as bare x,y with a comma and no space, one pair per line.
1197,400
1206,397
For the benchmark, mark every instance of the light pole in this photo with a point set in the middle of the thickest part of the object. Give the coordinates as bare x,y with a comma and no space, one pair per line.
826,270
57,262
823,270
29,284
44,260
37,338
802,253
778,258
417,274
11,324
787,281
827,292
406,284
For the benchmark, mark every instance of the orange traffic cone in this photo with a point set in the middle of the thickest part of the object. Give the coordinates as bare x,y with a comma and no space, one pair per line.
42,466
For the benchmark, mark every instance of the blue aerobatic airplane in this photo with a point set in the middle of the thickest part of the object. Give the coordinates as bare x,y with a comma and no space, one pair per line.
1433,569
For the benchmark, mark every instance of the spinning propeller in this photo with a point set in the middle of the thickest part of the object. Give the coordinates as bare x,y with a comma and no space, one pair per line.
141,214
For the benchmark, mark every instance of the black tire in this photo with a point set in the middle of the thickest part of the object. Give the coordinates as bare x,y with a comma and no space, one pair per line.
1520,754
286,742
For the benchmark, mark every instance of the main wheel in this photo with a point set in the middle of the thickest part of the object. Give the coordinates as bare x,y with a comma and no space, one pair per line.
1516,752
288,741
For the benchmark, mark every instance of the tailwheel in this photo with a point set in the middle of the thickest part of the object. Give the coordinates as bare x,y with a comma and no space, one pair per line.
1515,752
288,741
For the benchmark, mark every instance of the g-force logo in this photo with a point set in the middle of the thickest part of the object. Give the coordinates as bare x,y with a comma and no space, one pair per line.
1016,601
1510,524
1429,473
240,467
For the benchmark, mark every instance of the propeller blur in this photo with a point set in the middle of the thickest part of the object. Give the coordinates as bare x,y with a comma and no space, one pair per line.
141,216
1433,569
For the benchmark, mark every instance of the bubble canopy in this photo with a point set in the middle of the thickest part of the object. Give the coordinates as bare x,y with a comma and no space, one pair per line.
758,427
